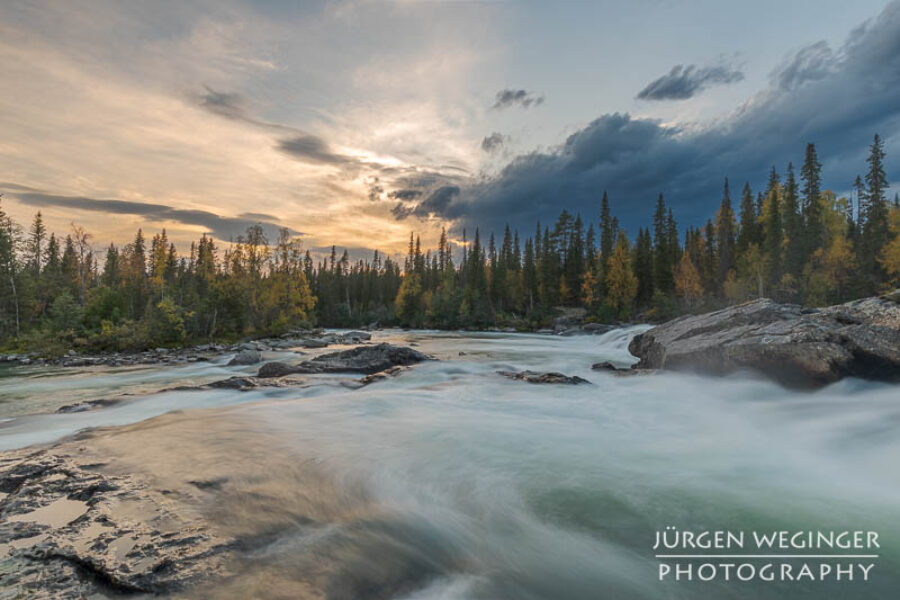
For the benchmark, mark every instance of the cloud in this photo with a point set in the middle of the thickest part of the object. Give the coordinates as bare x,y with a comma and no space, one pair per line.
684,82
404,194
838,108
223,228
313,149
811,63
507,98
435,204
493,142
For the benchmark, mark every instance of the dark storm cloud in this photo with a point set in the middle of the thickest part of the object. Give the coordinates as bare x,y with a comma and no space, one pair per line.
493,142
507,98
811,63
221,227
684,82
839,108
436,203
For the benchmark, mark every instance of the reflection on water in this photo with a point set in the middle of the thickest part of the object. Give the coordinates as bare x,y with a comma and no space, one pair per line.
452,482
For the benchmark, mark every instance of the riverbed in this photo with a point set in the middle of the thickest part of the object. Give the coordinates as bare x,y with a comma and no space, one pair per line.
450,481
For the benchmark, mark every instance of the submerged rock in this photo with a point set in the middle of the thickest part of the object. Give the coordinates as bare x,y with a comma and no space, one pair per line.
550,377
796,347
381,375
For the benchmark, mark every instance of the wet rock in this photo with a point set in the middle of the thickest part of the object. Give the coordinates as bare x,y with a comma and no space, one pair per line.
597,328
247,383
313,343
276,369
381,375
233,383
794,346
607,366
549,377
65,539
245,357
364,359
86,405
357,336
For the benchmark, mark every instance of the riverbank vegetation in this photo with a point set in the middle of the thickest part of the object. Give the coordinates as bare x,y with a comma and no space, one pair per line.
792,241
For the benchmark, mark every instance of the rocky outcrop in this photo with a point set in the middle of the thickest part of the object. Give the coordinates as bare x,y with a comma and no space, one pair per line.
364,359
65,535
535,377
797,347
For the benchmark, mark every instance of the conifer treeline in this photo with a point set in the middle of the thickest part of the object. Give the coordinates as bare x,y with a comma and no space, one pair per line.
791,241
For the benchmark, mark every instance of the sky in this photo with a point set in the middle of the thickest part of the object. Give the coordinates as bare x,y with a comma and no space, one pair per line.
356,122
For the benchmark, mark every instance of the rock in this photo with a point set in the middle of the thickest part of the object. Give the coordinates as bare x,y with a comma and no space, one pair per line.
793,346
87,405
373,377
244,384
283,344
606,366
364,359
596,328
234,383
551,377
313,343
245,357
276,369
71,542
357,335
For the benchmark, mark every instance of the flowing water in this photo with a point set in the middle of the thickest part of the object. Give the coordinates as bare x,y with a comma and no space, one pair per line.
451,481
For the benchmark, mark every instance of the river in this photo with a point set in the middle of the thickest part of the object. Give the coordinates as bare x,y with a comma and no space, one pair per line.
450,481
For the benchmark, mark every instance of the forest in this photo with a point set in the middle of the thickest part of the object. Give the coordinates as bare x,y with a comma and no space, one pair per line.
792,241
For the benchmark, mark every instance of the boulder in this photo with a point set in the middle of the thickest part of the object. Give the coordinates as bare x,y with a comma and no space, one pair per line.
357,336
550,377
245,357
796,347
313,343
275,369
364,359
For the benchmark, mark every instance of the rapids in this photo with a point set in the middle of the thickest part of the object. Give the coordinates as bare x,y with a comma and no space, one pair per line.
450,481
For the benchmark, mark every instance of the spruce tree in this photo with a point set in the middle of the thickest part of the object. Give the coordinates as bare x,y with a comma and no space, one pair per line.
662,253
813,227
725,238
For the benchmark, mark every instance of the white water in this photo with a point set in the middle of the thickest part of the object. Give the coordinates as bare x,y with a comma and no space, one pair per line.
491,488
